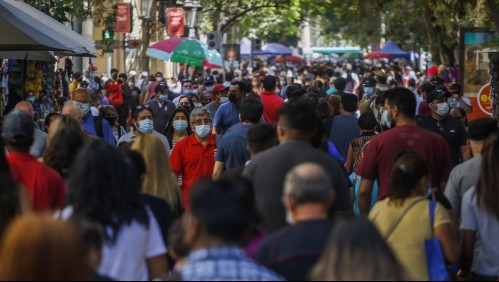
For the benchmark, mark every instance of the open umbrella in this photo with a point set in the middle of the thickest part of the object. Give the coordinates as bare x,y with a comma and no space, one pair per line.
186,51
290,59
377,55
276,49
351,56
24,28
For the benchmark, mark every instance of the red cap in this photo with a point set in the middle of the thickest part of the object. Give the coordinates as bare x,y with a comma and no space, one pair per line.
218,88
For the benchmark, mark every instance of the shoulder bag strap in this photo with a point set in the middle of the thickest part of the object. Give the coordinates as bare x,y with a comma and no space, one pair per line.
433,206
396,224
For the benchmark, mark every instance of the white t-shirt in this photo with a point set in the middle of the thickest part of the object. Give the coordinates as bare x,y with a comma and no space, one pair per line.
126,260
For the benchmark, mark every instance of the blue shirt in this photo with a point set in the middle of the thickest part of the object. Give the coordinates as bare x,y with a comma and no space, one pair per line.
89,127
226,117
344,130
224,264
232,149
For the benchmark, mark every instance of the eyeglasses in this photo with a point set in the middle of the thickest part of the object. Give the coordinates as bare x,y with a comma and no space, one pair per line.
141,107
202,122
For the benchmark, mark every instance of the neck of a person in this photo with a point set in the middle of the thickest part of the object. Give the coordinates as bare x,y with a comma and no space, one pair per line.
246,122
311,211
367,130
177,135
202,140
12,149
208,242
435,116
345,113
296,137
402,120
476,148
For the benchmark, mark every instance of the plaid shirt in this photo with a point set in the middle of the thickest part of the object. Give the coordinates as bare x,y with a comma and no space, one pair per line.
224,264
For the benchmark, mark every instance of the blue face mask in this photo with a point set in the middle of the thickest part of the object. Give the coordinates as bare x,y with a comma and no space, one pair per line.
203,130
31,100
187,92
180,125
227,84
146,126
385,121
224,100
210,88
369,91
195,91
163,98
86,109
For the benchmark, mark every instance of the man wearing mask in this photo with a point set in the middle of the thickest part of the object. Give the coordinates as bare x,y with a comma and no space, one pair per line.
142,117
220,97
76,83
186,90
368,102
94,126
162,108
209,83
228,113
405,135
194,157
451,129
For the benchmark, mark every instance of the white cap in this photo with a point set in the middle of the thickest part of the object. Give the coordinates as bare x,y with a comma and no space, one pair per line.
132,74
145,74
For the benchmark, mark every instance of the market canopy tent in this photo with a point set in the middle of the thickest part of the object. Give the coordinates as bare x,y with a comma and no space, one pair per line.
332,50
394,51
43,56
267,49
24,28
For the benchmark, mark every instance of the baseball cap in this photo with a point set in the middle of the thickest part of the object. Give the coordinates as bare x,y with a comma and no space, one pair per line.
210,79
434,95
481,129
160,87
18,128
144,74
219,88
369,82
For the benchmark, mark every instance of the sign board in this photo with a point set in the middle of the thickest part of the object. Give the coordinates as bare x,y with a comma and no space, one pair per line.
115,45
175,21
123,17
474,70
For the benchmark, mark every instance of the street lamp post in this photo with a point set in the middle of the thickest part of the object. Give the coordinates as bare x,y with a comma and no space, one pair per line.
194,16
144,11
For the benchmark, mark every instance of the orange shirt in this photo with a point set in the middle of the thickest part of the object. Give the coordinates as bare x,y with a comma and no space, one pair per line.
193,161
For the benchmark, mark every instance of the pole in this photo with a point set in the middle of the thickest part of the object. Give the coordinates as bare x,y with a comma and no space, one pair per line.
222,51
108,64
251,54
124,54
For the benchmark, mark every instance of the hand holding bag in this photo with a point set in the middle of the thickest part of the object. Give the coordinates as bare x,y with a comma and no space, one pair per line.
437,267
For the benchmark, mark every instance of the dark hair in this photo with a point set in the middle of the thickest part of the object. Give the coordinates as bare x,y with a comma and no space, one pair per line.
299,115
169,128
9,193
481,129
262,137
486,189
463,115
122,75
380,100
340,84
114,70
103,188
50,118
292,88
269,83
252,109
190,101
136,112
427,87
367,121
456,87
404,99
91,233
412,82
356,252
64,146
176,240
230,222
350,102
138,162
408,171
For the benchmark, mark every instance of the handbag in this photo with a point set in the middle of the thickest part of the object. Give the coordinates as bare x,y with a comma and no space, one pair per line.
437,267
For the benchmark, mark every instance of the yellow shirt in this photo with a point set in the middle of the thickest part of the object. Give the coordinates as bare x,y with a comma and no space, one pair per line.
408,239
73,86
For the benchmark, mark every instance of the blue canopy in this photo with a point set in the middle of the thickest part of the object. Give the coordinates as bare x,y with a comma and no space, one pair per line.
394,51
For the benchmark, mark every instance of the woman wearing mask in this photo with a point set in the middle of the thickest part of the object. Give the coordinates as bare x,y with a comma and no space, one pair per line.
408,192
109,113
178,127
186,104
480,220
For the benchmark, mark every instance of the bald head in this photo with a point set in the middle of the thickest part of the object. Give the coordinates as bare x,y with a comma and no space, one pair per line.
74,110
309,183
25,107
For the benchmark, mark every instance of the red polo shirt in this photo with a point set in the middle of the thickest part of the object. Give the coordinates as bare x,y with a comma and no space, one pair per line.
271,106
45,186
193,161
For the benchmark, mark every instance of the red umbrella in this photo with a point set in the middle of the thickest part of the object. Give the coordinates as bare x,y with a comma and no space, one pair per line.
377,55
290,59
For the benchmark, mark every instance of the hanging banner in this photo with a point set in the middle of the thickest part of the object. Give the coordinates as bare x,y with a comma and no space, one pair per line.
123,17
175,18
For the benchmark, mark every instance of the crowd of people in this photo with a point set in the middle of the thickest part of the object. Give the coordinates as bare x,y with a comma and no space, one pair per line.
330,172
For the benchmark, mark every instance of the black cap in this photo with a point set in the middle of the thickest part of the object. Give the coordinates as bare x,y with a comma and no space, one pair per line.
481,129
434,95
18,128
160,87
369,82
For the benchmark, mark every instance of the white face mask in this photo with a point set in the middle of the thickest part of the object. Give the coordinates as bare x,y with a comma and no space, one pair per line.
443,109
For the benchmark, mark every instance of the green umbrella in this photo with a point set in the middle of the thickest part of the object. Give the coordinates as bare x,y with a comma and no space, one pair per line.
351,56
191,52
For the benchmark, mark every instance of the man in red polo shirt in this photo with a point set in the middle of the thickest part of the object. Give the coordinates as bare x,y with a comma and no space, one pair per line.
271,102
194,157
45,186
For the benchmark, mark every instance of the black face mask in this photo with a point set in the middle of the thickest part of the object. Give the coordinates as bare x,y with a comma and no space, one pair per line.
234,97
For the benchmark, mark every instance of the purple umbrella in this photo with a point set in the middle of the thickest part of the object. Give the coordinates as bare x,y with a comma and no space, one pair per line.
276,49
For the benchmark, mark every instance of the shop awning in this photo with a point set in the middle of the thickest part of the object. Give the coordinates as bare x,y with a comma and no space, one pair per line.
333,50
44,56
24,28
